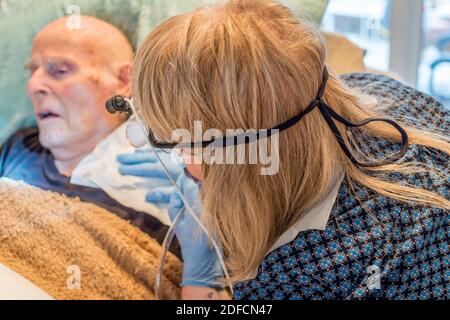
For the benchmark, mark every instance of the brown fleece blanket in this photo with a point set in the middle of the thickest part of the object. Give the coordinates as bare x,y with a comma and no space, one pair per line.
77,250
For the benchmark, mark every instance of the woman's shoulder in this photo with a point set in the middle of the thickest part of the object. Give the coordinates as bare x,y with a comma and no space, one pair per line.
436,162
434,178
414,108
365,230
402,102
363,226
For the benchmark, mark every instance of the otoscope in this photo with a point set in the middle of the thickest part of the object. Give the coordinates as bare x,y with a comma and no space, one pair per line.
118,104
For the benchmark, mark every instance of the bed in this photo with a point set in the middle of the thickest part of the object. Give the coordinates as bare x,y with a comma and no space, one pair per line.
60,247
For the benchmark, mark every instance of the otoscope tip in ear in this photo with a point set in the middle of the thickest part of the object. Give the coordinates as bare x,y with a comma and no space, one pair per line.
118,104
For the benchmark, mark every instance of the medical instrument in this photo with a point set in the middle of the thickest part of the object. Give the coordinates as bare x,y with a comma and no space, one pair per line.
119,103
168,239
135,133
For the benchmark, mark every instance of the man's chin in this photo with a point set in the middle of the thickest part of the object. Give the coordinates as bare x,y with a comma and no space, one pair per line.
51,139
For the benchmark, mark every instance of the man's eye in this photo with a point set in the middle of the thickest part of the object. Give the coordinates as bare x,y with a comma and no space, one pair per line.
57,71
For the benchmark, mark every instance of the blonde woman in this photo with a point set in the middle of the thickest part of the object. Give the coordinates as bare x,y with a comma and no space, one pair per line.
357,209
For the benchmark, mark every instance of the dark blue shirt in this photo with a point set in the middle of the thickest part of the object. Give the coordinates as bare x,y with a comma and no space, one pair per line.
23,158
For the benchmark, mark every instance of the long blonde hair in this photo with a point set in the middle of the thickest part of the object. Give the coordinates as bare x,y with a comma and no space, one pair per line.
254,64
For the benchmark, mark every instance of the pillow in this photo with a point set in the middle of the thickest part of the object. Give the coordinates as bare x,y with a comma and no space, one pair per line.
21,20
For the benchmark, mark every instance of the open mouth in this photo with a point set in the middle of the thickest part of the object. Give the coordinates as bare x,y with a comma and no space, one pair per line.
47,115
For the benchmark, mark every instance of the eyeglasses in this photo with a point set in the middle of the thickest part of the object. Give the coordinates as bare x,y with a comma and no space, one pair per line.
116,104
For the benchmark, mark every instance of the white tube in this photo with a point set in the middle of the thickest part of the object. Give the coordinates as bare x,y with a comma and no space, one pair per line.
187,208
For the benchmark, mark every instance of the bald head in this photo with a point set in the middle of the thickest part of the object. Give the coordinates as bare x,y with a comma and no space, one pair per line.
97,39
73,72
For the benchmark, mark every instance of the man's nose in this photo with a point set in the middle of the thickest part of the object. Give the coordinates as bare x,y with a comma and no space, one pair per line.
37,84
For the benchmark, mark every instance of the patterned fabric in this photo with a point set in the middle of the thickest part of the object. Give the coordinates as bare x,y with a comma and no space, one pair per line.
373,246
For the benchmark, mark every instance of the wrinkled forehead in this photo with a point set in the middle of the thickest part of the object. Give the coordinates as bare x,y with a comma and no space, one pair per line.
96,42
64,43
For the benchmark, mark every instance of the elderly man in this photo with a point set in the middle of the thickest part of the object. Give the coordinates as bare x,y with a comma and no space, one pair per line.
72,74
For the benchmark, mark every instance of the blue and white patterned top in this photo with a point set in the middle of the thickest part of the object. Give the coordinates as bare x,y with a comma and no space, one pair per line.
373,246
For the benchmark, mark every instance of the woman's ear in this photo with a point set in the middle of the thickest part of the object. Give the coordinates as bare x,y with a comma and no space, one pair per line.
195,170
124,78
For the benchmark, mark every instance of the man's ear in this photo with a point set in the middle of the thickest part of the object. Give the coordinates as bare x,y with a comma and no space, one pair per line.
124,78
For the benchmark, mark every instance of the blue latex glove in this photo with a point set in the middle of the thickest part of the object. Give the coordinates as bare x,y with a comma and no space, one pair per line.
144,163
201,264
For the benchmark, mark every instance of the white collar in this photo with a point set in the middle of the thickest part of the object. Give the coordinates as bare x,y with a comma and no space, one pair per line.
315,218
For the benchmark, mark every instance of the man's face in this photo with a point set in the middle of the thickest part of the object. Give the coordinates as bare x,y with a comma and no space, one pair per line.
68,87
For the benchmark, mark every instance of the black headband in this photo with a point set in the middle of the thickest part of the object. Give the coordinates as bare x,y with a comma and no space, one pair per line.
328,114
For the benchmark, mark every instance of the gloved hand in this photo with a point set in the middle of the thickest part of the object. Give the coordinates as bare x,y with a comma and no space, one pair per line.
201,264
144,163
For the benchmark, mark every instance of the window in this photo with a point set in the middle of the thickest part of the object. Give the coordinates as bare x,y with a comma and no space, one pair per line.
390,32
434,67
366,23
